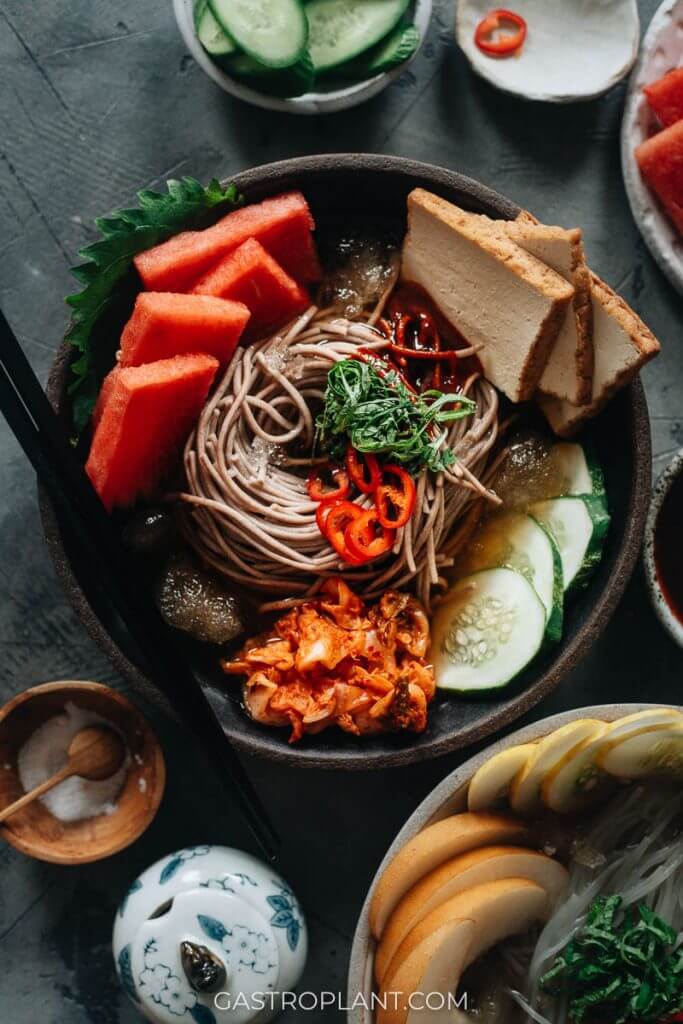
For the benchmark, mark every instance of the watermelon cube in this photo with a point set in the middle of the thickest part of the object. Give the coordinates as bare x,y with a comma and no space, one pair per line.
165,325
143,416
660,160
666,97
282,225
250,275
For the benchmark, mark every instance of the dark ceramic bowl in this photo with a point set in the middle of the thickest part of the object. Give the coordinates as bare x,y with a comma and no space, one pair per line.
338,187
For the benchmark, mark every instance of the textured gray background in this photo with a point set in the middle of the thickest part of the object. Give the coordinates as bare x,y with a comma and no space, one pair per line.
97,100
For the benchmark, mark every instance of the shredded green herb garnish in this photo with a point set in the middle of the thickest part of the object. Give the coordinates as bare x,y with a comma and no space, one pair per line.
380,416
619,968
125,233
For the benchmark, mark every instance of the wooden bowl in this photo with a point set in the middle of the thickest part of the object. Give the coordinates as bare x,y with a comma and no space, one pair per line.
339,188
449,797
38,833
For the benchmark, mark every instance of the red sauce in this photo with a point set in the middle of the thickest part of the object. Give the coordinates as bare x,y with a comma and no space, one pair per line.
415,323
669,547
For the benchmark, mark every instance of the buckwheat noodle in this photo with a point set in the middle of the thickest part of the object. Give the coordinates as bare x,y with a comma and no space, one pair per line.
247,511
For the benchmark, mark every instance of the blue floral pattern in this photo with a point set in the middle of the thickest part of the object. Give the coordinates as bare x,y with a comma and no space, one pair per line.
178,859
158,982
287,914
125,973
251,949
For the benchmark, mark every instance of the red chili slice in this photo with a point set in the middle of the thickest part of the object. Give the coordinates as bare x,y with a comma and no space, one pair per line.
505,44
395,505
333,518
366,538
315,484
364,470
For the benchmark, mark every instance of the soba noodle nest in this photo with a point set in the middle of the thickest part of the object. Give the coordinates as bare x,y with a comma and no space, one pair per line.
248,512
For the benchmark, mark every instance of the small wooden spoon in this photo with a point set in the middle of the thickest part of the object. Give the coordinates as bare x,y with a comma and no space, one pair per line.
94,753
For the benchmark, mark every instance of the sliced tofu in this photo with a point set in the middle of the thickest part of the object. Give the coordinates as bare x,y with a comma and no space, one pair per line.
569,372
622,345
497,296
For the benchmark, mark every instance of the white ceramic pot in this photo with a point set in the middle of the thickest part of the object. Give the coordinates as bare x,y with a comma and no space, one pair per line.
209,935
313,102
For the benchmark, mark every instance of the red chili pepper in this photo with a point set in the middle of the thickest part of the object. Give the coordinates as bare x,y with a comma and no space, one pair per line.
364,474
395,505
505,44
366,538
333,518
315,484
670,1020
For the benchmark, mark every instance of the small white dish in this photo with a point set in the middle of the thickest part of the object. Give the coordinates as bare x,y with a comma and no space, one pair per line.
312,102
573,51
672,624
662,50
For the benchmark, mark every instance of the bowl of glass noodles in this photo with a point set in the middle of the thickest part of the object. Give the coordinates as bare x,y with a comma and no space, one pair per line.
540,881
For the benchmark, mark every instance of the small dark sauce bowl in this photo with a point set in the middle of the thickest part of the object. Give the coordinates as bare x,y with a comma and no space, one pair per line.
663,550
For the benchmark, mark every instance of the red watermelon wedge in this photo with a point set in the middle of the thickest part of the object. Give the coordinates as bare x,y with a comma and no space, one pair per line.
660,160
666,97
165,325
251,276
283,225
143,416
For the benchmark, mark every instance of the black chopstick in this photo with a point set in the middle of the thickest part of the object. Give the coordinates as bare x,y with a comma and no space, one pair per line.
44,441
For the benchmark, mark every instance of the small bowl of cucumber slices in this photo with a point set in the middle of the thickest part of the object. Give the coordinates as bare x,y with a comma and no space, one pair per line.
303,56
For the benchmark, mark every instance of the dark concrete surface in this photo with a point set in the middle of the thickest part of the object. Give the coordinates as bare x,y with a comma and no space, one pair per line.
97,100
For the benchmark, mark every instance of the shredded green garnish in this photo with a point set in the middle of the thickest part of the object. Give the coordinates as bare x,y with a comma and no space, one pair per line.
619,969
125,233
380,416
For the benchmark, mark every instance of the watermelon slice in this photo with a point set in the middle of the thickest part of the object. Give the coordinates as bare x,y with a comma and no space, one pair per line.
282,225
165,325
660,160
666,97
250,275
143,416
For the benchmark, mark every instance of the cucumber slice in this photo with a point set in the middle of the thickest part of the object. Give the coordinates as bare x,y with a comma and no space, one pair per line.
340,30
215,41
577,469
489,628
658,752
517,541
293,81
398,46
578,527
576,782
273,32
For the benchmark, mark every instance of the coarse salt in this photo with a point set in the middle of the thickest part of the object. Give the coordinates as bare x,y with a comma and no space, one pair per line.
46,751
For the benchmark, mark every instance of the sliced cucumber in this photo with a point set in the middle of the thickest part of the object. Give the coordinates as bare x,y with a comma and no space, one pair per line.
340,30
647,754
273,32
489,628
577,470
576,782
215,41
292,81
578,526
398,46
517,541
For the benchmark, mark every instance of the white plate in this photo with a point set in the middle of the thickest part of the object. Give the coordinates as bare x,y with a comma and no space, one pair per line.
311,102
661,51
574,50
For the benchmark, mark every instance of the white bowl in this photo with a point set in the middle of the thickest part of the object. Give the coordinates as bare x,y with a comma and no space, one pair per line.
449,797
661,51
672,624
310,102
